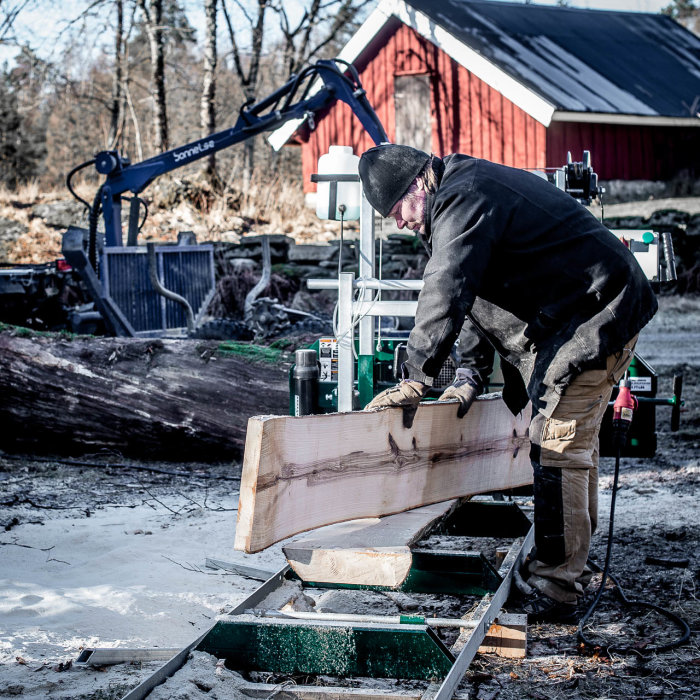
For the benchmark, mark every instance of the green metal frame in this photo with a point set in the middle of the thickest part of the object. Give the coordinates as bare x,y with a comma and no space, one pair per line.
337,649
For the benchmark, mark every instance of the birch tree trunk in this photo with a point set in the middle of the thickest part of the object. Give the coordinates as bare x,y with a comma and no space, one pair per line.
208,105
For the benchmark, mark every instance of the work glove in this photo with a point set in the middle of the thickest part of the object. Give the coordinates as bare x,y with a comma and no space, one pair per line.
465,388
407,392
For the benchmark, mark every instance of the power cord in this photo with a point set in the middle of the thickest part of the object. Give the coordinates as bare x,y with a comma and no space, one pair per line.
623,410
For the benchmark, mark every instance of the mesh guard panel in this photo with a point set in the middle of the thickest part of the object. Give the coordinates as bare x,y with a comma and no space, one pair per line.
186,270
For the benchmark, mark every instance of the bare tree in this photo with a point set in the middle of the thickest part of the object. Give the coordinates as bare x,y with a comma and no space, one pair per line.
248,79
322,24
153,20
9,11
117,107
208,106
687,12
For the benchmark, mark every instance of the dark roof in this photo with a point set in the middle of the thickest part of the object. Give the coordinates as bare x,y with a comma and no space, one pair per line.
582,60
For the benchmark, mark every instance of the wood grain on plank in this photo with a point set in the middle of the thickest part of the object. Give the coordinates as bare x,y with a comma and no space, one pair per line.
303,473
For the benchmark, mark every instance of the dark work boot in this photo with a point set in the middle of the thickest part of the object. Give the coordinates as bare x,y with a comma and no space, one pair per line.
541,608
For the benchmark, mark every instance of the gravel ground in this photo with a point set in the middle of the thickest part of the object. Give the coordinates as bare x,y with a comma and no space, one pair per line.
135,577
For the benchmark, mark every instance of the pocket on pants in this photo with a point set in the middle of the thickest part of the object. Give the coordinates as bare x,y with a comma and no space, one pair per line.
556,430
567,443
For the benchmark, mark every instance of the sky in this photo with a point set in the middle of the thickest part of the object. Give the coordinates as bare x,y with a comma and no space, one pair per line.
40,25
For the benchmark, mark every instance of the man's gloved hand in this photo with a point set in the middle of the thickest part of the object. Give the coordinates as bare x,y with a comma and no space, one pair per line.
407,392
465,388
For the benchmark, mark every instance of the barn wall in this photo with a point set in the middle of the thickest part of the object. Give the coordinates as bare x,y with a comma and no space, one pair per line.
626,152
468,116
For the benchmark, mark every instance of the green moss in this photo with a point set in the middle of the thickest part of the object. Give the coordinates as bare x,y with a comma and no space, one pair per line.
250,351
286,270
22,332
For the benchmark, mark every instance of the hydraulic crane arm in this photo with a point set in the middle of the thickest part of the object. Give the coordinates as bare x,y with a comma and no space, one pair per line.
291,101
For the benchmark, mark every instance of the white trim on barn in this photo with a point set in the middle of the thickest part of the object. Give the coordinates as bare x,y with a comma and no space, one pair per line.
521,96
630,119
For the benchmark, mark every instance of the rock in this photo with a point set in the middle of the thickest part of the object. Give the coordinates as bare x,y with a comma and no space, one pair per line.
631,190
393,270
305,272
668,219
412,259
625,222
317,302
276,239
61,214
693,226
10,231
230,237
312,253
239,265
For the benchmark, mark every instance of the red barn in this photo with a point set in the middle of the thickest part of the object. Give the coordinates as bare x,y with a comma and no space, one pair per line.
523,84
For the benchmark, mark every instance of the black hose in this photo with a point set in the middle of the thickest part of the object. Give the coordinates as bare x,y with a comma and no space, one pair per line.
92,231
69,185
625,650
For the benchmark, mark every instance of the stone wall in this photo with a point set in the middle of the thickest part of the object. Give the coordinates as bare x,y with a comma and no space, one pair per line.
238,265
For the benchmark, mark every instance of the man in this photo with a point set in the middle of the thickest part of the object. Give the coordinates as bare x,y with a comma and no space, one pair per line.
559,298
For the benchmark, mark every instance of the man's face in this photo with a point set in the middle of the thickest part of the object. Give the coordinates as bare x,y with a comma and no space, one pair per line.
409,211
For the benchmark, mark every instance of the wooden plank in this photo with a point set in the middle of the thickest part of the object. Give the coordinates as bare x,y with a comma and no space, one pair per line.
365,552
507,637
303,473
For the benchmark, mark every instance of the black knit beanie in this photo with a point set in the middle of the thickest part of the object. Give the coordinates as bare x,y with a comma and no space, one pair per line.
387,172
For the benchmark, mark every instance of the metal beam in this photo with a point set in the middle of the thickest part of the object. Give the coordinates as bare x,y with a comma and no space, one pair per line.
249,571
109,657
485,614
142,690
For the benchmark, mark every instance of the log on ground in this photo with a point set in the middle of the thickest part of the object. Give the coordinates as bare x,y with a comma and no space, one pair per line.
170,399
303,473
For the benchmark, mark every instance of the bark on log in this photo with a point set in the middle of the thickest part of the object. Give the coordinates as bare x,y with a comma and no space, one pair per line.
171,399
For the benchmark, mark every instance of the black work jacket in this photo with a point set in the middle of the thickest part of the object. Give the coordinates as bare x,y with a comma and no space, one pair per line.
553,290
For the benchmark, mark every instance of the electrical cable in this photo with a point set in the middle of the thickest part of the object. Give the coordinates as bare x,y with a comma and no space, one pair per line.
585,641
145,213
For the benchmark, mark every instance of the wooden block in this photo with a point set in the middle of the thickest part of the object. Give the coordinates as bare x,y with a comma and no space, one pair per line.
506,637
303,473
365,552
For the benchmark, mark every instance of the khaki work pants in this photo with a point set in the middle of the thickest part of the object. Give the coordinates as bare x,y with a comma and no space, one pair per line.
566,480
